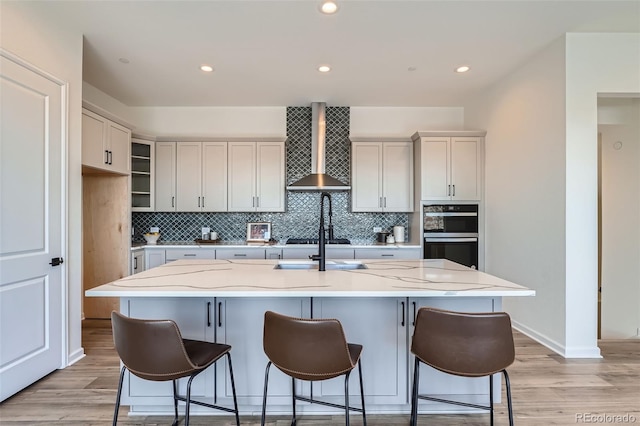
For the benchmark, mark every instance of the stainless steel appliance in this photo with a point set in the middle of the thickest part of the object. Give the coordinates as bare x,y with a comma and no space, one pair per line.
451,232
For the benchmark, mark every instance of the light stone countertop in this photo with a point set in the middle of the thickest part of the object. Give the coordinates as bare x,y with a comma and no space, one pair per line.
242,244
258,278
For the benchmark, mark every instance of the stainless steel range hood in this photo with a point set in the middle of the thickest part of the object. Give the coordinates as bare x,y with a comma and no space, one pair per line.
318,180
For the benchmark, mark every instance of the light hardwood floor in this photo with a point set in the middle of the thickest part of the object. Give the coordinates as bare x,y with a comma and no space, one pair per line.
547,390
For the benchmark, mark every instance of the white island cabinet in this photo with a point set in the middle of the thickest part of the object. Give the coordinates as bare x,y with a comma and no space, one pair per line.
239,324
225,301
380,326
194,319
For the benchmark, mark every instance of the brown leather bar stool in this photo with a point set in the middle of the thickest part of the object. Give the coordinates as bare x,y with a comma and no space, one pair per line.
462,344
312,350
155,350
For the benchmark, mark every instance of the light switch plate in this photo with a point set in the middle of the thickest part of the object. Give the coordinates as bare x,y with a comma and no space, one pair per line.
377,229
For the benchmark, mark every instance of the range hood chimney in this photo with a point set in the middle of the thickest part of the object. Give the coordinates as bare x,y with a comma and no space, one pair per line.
318,180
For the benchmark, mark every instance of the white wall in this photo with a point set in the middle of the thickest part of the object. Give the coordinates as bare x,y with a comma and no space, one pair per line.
403,122
193,121
596,63
619,125
541,184
524,189
27,33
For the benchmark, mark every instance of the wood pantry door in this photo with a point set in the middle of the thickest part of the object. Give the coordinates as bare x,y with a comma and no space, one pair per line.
33,130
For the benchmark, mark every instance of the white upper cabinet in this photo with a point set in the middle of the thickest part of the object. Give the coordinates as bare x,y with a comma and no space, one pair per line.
382,176
105,144
188,176
165,177
191,176
214,176
256,173
450,166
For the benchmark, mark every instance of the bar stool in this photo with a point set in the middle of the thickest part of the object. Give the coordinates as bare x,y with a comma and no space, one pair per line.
462,344
155,350
312,350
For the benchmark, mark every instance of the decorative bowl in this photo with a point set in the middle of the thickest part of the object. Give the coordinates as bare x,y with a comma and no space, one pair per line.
151,237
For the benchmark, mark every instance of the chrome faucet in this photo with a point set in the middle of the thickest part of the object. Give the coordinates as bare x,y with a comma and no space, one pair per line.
322,241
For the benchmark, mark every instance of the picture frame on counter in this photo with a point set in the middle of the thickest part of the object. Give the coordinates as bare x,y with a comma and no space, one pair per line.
258,231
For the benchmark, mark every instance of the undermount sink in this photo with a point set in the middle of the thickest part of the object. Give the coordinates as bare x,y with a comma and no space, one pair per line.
311,265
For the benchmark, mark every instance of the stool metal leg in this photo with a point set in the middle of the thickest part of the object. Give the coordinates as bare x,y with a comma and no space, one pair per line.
293,397
115,413
233,389
364,415
175,402
414,396
264,395
491,398
346,398
508,385
186,410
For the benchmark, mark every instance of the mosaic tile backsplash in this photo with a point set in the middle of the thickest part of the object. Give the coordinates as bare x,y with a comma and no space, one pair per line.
301,219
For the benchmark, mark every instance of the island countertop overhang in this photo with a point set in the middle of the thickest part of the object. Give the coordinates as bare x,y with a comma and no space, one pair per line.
258,278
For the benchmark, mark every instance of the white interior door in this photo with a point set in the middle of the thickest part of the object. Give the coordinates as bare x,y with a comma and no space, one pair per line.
32,125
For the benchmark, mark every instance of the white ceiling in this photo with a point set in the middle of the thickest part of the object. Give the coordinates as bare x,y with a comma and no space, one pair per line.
266,53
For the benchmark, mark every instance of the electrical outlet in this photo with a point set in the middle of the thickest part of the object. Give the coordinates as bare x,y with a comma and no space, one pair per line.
377,229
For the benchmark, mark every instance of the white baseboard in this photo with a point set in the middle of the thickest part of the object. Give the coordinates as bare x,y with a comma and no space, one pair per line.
560,349
75,356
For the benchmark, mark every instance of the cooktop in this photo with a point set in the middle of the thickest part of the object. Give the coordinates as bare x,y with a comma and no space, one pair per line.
315,241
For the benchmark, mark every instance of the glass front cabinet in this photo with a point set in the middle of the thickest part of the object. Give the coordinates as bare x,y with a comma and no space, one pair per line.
142,179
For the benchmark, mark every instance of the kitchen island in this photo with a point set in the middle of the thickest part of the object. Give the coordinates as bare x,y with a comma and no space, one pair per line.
375,300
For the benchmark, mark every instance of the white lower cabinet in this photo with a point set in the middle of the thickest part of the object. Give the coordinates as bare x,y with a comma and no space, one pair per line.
194,319
447,386
240,323
137,261
192,253
240,253
153,258
388,253
305,252
384,353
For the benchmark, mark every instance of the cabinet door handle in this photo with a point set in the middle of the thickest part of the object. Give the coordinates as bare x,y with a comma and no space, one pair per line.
253,201
173,199
219,314
257,201
448,190
189,255
203,202
239,255
208,314
110,157
198,201
385,201
135,263
402,322
106,156
454,190
413,323
387,255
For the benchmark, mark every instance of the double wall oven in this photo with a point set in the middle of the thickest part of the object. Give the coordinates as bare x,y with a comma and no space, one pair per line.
451,232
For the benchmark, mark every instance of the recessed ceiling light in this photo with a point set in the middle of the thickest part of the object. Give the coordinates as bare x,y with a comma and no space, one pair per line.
324,68
124,60
206,68
329,7
463,68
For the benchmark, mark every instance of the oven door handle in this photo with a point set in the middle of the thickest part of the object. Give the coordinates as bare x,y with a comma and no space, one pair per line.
450,240
441,214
